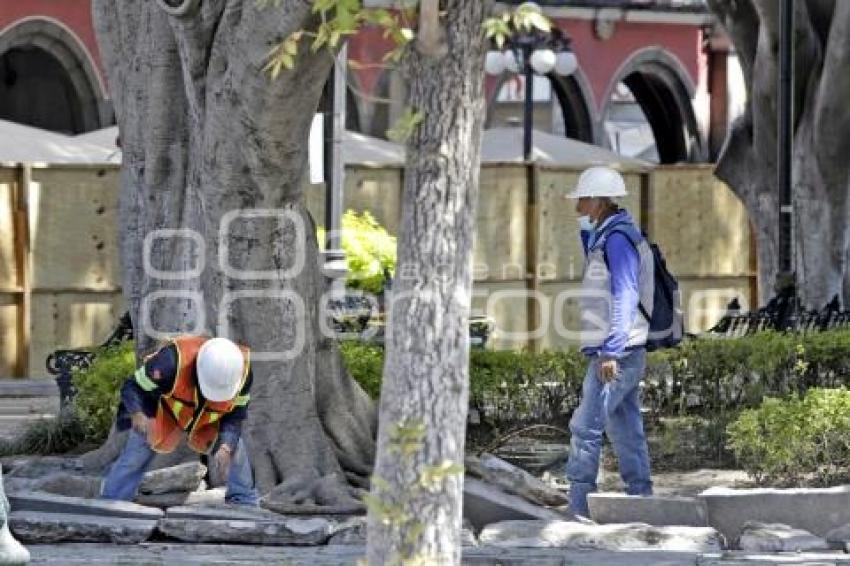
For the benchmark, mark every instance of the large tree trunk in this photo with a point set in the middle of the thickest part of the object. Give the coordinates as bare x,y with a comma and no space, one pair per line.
214,148
415,508
821,156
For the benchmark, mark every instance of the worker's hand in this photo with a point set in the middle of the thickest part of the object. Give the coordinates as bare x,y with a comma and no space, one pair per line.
608,370
221,465
141,423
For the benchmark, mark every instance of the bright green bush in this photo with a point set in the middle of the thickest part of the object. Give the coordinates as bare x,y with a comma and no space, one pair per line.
795,441
365,364
98,388
369,250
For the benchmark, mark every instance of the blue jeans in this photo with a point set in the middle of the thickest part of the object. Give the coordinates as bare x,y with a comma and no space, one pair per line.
123,479
612,408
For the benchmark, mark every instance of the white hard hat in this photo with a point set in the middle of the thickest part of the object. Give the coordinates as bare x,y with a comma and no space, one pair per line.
599,182
220,367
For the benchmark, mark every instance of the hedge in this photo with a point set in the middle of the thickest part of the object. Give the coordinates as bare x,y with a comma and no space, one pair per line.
705,383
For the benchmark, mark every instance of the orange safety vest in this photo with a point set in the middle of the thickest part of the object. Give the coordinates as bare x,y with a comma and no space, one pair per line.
178,409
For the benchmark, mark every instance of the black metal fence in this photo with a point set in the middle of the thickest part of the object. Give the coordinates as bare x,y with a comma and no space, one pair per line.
782,313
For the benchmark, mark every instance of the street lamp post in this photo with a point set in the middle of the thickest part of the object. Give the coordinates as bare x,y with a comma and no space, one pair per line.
531,52
785,138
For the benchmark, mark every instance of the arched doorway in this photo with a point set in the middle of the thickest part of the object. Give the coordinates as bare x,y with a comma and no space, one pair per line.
648,111
48,80
562,105
352,109
35,90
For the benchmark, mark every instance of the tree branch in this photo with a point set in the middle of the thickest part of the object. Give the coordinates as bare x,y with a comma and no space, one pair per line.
741,21
430,42
832,114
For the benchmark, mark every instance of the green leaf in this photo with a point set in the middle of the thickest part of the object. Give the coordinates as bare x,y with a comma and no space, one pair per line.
405,125
282,55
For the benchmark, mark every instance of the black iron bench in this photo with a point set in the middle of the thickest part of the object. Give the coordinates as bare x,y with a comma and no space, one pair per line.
62,363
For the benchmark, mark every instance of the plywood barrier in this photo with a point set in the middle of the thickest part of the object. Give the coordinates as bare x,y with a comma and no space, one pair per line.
74,291
8,261
71,320
499,252
73,216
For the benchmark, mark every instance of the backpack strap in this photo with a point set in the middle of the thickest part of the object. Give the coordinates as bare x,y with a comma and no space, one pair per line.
611,230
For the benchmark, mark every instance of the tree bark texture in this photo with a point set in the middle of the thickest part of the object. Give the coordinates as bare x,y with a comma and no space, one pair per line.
821,158
214,148
425,389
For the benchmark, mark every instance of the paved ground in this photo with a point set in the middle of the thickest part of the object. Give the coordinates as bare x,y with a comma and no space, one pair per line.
25,400
189,554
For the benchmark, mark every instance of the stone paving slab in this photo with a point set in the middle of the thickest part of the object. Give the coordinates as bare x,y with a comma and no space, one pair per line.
613,537
34,527
653,510
166,554
290,531
169,554
751,559
484,504
817,510
49,503
223,511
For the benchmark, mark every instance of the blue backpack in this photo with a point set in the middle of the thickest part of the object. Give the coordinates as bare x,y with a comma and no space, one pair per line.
667,321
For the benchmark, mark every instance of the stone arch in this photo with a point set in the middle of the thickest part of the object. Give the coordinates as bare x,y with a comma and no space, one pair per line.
664,90
575,99
63,61
353,107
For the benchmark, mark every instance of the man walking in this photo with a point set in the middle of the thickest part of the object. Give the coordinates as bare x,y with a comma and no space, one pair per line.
194,385
617,292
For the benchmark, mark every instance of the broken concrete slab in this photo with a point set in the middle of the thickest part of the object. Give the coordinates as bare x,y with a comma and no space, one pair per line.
42,528
353,532
817,510
514,480
167,500
181,478
163,500
291,531
34,467
740,558
763,537
839,537
222,511
575,535
484,504
653,510
50,503
72,485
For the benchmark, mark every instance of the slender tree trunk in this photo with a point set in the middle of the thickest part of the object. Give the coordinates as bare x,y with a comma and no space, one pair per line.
415,507
216,151
821,140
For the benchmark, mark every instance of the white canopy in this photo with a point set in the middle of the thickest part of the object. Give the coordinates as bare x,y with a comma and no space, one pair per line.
20,143
25,144
504,145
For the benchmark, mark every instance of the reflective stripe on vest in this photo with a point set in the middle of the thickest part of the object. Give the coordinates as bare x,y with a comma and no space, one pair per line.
143,381
179,407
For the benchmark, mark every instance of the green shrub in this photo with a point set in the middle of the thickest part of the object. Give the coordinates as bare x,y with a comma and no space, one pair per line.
98,388
369,250
365,363
795,441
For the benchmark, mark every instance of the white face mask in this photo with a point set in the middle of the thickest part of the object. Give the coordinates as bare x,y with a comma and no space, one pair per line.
585,223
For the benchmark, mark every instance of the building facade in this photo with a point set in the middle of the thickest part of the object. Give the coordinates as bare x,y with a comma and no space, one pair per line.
656,78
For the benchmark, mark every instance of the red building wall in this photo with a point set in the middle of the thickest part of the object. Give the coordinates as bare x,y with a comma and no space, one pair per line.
599,59
73,14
